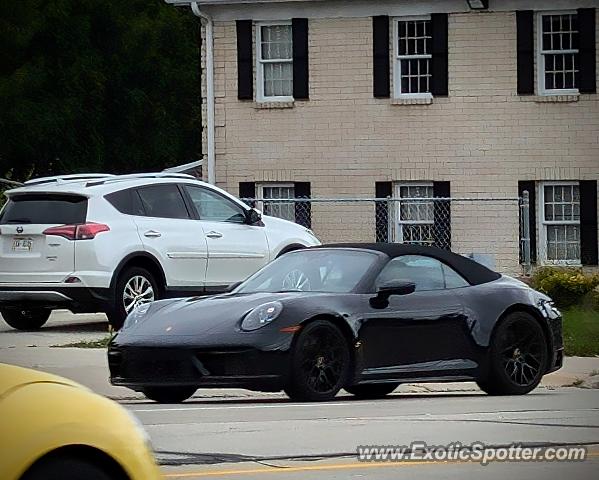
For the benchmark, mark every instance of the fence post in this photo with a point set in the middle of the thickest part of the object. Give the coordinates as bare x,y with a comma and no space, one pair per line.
390,220
525,215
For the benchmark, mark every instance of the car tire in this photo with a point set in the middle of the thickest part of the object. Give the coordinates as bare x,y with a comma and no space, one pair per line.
169,394
371,391
26,320
61,467
320,362
132,281
517,358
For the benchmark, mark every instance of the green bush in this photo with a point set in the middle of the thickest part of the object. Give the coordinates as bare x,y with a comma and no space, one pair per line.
566,286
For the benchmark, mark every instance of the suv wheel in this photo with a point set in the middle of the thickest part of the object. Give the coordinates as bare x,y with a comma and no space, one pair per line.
26,319
135,286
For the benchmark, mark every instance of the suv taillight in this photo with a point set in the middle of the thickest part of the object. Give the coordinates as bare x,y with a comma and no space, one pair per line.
85,231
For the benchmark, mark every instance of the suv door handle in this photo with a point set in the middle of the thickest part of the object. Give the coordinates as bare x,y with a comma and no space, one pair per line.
152,233
214,234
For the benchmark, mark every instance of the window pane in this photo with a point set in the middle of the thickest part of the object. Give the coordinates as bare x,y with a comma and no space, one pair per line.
45,209
425,272
415,75
276,42
563,242
560,32
214,207
163,201
278,79
452,278
285,210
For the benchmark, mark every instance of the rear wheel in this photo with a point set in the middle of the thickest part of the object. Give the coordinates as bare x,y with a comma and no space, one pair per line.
59,468
31,319
374,390
517,357
135,286
319,364
169,394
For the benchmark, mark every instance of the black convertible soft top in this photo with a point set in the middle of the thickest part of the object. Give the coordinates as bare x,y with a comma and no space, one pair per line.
472,271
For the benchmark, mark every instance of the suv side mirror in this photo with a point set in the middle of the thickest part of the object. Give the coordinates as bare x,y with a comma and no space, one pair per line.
400,287
253,216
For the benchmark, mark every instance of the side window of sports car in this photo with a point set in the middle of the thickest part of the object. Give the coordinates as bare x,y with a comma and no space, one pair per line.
426,272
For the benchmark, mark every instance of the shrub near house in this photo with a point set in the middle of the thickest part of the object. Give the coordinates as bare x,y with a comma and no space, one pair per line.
566,286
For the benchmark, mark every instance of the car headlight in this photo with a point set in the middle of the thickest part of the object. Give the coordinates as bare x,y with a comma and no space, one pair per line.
137,315
261,316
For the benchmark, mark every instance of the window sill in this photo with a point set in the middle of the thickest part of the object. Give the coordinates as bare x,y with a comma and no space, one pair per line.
412,101
273,105
566,98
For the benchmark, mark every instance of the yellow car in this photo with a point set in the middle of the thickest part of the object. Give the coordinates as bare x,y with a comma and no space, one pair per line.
54,429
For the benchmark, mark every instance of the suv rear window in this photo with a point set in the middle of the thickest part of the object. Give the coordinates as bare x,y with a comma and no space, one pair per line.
45,209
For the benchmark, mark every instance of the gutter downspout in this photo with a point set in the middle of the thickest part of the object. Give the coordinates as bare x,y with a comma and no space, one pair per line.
207,19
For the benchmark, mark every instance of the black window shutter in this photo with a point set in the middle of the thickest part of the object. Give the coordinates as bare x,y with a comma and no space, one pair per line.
586,54
301,75
588,222
439,62
525,52
247,190
529,185
442,216
245,68
380,56
303,210
381,211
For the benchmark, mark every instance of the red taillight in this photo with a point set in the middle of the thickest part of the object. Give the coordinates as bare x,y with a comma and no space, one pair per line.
85,231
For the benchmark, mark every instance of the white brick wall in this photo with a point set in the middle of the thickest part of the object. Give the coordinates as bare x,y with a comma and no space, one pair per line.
482,138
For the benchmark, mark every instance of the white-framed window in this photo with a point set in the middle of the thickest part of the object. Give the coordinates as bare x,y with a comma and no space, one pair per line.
559,209
414,218
412,47
274,191
557,57
274,61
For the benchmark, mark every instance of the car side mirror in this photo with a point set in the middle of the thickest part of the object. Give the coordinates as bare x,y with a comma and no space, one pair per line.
381,300
253,216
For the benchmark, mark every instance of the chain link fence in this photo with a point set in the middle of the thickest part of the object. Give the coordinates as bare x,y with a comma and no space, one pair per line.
493,231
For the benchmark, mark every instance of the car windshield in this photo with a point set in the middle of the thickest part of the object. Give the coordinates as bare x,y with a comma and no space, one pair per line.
319,270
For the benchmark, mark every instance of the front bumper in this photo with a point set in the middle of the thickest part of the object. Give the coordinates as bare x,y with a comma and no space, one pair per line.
250,368
54,295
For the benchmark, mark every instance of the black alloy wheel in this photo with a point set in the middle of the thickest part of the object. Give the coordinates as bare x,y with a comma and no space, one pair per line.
518,356
320,363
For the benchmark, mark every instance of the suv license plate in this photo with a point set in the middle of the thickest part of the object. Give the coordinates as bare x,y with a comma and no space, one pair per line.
22,245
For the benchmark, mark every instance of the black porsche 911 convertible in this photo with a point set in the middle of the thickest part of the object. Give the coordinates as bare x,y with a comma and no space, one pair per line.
363,317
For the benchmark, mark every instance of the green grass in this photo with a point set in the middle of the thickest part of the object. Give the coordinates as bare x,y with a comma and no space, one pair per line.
581,332
102,343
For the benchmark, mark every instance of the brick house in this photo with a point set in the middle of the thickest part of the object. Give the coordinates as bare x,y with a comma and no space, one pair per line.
410,98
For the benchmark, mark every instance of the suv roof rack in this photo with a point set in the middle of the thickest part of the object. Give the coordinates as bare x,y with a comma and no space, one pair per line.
64,178
134,176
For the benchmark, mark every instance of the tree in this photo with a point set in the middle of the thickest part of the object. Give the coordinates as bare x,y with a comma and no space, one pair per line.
97,85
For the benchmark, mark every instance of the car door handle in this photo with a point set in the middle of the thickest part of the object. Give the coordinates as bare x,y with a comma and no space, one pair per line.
152,234
214,234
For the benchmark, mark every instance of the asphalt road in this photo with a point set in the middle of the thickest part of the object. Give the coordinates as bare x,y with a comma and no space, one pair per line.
254,437
238,434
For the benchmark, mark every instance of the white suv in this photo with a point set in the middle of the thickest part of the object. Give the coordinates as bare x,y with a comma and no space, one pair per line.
107,243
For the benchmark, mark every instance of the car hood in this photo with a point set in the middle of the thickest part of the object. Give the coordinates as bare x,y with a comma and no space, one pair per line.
209,317
13,377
